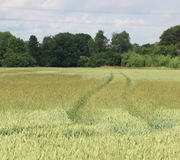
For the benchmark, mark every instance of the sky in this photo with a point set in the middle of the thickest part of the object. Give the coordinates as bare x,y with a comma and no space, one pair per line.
144,20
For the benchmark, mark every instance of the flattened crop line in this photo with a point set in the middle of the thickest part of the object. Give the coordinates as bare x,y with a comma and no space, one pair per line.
129,106
127,86
126,98
128,80
73,113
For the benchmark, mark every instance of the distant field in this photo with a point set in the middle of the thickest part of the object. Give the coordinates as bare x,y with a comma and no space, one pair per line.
85,113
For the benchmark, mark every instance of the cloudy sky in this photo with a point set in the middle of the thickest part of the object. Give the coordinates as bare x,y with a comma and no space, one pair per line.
144,20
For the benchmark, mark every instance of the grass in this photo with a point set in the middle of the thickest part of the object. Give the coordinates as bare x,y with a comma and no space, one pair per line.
83,113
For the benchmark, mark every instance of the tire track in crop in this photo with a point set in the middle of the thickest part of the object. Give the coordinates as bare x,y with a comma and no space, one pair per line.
129,106
135,111
127,86
74,112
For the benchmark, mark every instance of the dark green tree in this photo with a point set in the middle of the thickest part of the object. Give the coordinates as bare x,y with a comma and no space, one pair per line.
34,49
83,61
47,49
146,49
91,46
19,60
171,36
65,49
81,41
121,42
100,42
9,44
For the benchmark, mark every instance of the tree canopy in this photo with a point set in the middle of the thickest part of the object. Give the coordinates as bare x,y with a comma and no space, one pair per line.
9,44
121,42
81,50
99,44
171,36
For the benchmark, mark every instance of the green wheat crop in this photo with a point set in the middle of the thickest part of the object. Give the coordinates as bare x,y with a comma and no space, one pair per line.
93,114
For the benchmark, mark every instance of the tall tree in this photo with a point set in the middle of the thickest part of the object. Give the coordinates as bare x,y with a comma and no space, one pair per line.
9,44
5,45
171,36
65,49
81,40
47,51
91,46
100,42
34,48
18,45
121,42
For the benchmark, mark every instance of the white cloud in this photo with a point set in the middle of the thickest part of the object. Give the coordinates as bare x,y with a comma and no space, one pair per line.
129,22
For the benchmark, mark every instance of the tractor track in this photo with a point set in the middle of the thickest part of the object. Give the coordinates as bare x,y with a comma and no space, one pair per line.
126,97
130,107
127,86
74,112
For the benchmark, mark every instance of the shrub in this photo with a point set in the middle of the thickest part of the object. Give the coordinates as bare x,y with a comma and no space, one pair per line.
148,61
83,61
19,60
161,60
96,61
174,62
105,58
132,60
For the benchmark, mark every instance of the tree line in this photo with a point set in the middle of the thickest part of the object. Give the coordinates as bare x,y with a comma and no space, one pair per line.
81,50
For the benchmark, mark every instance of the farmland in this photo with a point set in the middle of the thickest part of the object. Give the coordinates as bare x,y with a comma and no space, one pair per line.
89,113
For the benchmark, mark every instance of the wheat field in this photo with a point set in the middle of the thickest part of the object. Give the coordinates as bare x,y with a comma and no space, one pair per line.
89,113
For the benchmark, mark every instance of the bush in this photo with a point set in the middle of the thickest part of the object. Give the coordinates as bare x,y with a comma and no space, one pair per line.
174,62
96,61
160,61
105,59
83,61
133,60
19,60
148,61
124,59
